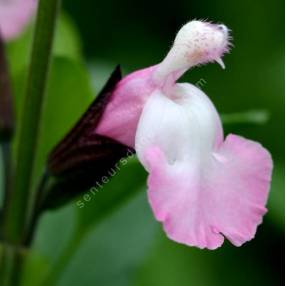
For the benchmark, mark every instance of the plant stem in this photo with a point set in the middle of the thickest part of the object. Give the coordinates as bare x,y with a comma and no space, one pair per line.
44,182
10,265
20,204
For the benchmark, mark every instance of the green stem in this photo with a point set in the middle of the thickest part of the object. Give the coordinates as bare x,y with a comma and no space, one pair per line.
43,184
11,263
20,205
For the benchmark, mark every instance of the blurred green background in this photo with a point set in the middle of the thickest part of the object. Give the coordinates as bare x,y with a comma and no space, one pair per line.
128,247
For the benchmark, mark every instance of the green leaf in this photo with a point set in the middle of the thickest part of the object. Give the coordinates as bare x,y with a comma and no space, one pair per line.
67,40
51,223
172,264
18,52
276,205
67,43
114,249
35,269
128,177
247,117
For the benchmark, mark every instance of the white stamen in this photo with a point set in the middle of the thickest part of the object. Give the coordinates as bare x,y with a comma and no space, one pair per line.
220,62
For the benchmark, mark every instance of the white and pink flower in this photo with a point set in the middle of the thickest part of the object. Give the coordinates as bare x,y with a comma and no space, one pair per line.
14,16
201,186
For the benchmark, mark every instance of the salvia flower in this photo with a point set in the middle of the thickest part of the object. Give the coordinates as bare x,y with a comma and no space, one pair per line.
201,186
14,16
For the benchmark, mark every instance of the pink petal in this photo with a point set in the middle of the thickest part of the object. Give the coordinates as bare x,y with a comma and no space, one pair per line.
121,116
225,198
14,16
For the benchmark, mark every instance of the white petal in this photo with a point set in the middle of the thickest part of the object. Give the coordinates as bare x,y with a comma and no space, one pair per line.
185,125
